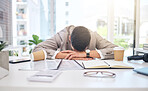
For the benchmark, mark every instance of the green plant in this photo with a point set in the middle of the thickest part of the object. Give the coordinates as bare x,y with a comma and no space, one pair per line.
121,42
102,31
2,46
35,41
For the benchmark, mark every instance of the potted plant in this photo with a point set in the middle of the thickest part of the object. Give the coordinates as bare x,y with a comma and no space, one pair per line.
4,61
35,41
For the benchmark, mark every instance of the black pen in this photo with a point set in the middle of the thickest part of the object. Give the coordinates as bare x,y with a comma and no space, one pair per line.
107,63
44,75
83,64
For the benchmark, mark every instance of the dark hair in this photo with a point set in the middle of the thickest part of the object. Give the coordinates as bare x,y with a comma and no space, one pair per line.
80,38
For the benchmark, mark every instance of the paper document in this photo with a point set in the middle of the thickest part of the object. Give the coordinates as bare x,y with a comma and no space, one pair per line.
43,64
45,76
69,65
53,64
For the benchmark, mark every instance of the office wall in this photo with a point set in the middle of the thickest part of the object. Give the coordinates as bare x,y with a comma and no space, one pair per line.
6,20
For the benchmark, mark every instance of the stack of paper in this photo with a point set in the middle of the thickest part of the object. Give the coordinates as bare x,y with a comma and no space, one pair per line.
45,76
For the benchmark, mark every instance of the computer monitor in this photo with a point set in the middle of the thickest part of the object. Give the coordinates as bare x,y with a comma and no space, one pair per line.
4,64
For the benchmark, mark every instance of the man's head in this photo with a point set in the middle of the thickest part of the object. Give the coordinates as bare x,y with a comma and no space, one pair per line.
80,38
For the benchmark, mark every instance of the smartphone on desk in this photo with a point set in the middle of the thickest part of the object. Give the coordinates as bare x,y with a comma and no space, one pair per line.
19,60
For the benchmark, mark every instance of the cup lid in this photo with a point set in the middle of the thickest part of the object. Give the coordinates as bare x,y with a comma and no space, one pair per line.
118,48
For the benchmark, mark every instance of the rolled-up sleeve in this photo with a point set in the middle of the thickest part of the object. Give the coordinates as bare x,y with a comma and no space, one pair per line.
54,56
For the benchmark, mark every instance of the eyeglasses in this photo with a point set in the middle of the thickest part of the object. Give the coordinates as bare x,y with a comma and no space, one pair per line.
100,74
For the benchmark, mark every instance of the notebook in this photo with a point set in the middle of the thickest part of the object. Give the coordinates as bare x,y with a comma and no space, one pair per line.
101,64
143,71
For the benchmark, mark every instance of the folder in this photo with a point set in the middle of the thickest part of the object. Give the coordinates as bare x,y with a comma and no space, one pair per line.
143,71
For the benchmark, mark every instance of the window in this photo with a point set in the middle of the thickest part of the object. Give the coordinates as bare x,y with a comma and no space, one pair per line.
143,31
124,24
112,19
21,11
66,13
32,17
109,18
21,30
66,22
21,0
92,14
1,15
66,3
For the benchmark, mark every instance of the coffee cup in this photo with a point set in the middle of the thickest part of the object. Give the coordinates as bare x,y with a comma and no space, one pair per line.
118,53
38,55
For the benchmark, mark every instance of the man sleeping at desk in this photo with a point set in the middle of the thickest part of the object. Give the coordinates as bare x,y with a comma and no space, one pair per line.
77,42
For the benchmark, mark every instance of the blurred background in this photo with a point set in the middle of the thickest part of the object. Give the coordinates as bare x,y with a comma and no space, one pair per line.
112,19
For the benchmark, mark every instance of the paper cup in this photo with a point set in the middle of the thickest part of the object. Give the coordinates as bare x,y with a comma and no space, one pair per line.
39,55
118,53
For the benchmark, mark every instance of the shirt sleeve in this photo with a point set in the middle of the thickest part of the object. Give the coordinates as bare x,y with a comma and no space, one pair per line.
101,55
53,57
50,46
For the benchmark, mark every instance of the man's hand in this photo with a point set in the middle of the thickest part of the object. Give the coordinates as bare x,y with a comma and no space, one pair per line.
86,59
75,54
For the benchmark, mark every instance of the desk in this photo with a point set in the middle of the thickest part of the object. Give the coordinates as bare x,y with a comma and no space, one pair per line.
73,80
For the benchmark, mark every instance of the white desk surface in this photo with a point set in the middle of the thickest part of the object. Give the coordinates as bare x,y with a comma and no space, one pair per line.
73,80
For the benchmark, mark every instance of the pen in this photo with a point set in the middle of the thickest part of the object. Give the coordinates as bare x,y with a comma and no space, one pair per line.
83,64
107,63
44,75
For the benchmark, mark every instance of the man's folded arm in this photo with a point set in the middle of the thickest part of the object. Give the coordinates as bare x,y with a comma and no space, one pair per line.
50,46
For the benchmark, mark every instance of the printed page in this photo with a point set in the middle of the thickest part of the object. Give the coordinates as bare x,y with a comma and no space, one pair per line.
69,65
41,65
93,64
80,62
117,64
46,64
53,64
